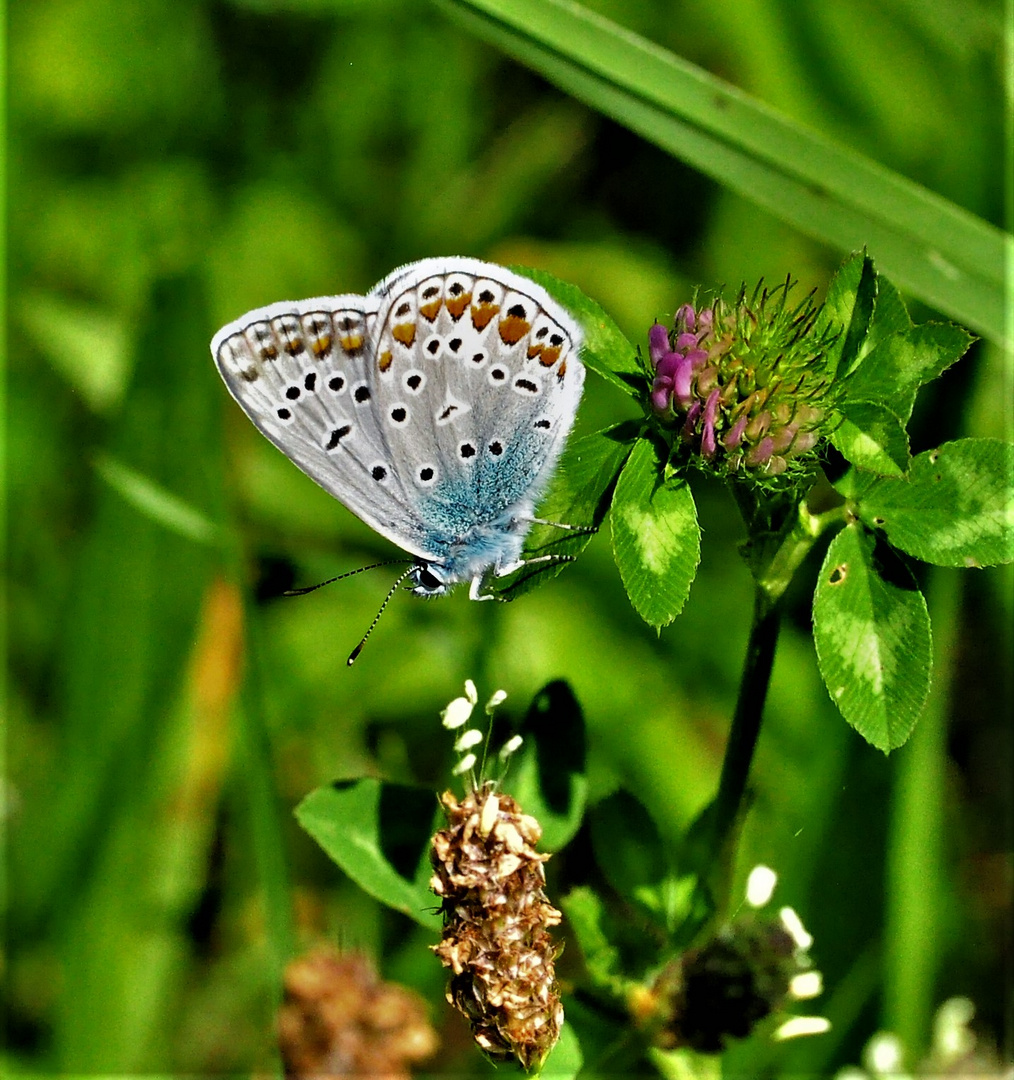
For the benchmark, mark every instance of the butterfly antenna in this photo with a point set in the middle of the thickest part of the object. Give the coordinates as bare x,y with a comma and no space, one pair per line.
351,573
387,599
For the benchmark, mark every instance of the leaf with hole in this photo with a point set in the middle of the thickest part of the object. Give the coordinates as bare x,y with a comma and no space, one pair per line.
872,633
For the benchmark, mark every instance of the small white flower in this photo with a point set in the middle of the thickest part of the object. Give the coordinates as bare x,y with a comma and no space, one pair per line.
460,709
794,925
488,816
760,886
802,1025
808,984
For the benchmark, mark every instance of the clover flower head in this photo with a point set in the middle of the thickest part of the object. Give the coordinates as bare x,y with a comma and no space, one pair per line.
748,970
745,388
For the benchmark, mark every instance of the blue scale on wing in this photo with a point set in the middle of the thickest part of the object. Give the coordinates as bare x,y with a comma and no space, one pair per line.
476,422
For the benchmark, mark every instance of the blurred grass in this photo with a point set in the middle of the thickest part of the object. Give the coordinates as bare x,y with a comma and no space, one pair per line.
945,256
172,164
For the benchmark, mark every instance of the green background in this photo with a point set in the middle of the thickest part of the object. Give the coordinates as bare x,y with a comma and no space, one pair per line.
173,163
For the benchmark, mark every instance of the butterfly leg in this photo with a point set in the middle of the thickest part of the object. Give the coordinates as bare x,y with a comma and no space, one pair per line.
474,594
510,568
561,525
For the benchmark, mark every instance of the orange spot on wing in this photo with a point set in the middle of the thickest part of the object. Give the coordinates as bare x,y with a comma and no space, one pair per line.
404,333
456,305
431,310
321,345
550,356
352,343
534,350
482,314
384,360
562,370
513,329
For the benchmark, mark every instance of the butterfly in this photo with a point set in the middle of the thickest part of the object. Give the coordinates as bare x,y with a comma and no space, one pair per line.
434,408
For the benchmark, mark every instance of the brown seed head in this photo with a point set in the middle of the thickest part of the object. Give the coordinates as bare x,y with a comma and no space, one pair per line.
339,1020
496,937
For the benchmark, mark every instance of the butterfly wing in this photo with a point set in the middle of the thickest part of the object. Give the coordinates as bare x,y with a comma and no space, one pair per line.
304,372
477,381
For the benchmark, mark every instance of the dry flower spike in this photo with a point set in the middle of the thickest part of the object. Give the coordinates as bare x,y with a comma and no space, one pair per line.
496,938
339,1020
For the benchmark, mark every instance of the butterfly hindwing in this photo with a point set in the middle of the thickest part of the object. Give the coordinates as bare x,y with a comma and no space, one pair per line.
300,371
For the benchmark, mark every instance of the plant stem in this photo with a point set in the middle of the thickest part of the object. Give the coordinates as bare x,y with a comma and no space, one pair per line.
772,581
746,721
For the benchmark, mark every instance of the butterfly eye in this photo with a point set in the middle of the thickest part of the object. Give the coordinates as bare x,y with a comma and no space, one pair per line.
428,580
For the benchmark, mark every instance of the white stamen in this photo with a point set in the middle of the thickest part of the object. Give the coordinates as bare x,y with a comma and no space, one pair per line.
883,1053
487,819
470,692
802,1025
498,697
464,765
794,924
760,886
457,713
809,984
468,739
510,746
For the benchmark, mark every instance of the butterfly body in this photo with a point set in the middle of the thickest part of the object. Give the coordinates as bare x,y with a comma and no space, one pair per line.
434,407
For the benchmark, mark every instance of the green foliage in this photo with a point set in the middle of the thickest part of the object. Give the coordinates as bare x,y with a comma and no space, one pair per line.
154,502
565,1059
549,774
940,253
173,164
357,822
953,509
950,507
656,538
586,912
872,634
606,350
872,437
